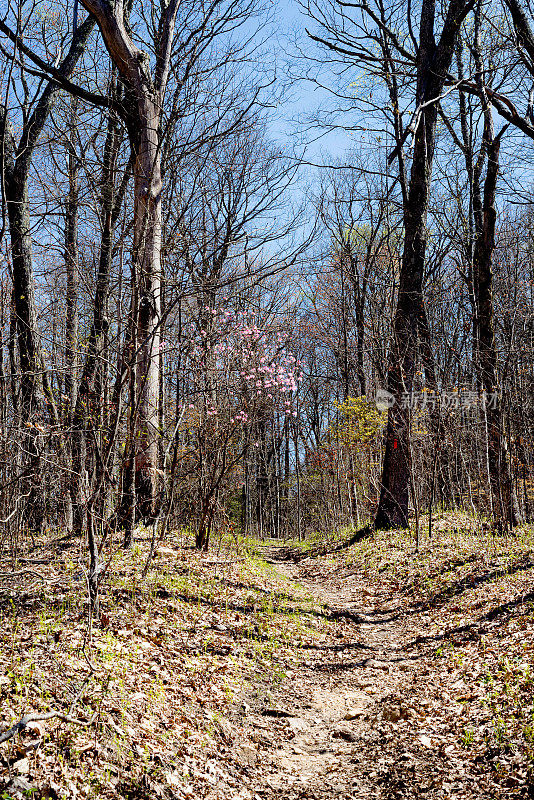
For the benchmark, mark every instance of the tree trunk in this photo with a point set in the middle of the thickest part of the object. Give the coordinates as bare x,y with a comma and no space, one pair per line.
505,505
71,265
434,61
147,246
393,504
87,399
202,539
16,162
30,396
142,106
71,298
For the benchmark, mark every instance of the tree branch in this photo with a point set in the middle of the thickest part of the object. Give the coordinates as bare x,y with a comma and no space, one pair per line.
53,72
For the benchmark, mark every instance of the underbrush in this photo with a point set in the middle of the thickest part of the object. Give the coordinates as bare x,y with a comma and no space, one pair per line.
459,555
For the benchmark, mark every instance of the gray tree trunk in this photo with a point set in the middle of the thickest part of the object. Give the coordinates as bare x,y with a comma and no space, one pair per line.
15,163
143,104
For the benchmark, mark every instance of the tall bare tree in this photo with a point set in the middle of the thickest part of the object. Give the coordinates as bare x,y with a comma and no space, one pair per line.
15,163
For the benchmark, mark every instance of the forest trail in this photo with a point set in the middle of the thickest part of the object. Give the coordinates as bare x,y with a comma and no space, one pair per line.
332,703
375,672
406,695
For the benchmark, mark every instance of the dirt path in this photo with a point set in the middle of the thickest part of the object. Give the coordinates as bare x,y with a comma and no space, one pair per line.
318,738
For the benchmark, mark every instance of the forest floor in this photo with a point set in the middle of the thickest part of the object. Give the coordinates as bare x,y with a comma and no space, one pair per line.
375,672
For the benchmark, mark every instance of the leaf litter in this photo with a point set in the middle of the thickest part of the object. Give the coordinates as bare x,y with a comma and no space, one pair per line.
374,672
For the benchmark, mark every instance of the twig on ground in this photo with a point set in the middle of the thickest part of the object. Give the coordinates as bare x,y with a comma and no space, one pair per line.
29,718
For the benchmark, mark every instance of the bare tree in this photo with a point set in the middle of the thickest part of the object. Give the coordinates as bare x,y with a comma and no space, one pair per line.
15,163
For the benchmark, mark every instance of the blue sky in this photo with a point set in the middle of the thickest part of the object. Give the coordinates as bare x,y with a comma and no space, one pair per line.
303,97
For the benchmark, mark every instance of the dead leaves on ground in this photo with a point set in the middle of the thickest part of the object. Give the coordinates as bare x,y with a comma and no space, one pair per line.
165,666
464,714
196,674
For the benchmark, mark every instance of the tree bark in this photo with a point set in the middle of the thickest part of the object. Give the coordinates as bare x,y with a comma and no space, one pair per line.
71,265
142,114
87,400
147,247
433,63
505,505
15,161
